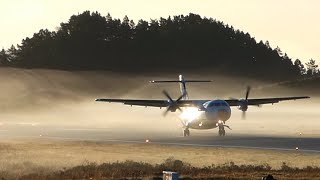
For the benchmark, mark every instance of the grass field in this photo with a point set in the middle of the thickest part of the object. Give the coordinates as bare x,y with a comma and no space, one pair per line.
21,157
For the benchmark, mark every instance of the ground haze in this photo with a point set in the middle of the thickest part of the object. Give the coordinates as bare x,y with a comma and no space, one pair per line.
45,114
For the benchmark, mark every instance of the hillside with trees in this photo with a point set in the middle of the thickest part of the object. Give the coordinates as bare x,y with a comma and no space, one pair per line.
90,41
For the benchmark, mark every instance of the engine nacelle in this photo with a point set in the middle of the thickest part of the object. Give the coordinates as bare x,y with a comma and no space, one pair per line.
243,106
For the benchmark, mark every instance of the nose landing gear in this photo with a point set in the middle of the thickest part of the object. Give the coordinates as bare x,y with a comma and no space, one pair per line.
222,131
186,132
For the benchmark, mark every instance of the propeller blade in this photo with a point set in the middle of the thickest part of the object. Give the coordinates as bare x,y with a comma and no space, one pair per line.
248,92
166,112
167,95
179,98
243,116
173,105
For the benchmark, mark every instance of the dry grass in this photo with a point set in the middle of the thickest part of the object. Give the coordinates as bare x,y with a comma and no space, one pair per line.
45,158
141,170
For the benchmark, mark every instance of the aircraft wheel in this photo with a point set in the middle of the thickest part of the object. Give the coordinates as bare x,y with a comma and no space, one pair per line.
186,132
222,132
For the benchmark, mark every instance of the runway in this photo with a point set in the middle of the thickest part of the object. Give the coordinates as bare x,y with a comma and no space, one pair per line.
201,139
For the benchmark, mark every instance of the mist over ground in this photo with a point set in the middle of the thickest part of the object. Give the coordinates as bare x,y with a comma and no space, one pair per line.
58,98
49,121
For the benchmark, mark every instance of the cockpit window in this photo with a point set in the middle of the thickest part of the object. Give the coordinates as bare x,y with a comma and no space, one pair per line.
211,104
217,104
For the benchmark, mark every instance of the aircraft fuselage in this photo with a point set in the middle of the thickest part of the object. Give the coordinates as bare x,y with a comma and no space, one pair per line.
208,117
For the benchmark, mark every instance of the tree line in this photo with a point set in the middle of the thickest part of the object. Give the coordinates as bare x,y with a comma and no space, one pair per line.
91,41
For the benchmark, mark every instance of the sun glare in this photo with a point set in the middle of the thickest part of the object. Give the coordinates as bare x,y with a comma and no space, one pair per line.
190,113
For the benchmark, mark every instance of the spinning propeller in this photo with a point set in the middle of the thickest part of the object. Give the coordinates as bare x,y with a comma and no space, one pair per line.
243,103
173,105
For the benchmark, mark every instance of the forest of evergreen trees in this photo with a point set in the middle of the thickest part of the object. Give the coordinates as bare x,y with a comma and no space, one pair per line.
89,41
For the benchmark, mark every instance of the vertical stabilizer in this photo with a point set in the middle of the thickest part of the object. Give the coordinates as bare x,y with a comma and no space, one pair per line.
183,88
182,83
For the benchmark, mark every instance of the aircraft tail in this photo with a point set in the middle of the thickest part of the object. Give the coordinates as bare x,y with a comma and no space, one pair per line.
182,82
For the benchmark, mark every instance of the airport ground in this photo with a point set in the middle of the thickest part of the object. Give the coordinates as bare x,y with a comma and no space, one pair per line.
50,123
21,157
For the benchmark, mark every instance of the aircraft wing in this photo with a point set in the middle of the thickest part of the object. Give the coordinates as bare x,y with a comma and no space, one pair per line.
155,103
197,103
254,102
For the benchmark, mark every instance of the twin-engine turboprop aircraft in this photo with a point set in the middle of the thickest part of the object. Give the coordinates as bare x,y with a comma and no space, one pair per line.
201,114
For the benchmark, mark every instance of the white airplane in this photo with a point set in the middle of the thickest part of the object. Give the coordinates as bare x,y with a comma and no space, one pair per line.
201,114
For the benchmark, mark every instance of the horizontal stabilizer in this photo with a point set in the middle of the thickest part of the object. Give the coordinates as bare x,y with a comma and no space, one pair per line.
154,81
182,82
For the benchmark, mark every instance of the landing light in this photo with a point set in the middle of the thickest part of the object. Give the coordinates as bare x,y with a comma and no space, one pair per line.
190,113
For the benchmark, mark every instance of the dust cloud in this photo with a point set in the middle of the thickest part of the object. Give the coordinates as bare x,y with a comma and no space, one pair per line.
64,99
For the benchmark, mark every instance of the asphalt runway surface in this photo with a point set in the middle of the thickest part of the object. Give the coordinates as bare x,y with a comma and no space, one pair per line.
203,139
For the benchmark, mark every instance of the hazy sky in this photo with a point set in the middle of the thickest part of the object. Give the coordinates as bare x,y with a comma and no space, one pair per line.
293,25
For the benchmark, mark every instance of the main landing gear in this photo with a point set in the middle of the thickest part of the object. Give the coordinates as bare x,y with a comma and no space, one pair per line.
186,132
222,131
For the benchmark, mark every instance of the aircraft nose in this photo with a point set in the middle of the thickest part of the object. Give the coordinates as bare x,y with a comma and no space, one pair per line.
223,115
